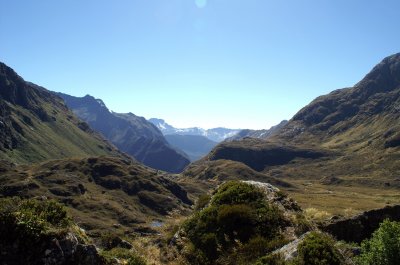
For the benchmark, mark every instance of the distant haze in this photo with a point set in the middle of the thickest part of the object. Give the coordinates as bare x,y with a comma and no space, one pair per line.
207,63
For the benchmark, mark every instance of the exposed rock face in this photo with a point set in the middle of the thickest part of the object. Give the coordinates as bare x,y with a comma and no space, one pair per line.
130,133
290,251
274,196
361,227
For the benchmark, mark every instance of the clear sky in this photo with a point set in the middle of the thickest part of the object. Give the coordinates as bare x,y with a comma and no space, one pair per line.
208,63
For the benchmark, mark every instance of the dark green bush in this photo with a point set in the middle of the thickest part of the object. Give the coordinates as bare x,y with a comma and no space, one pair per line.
318,249
235,192
25,225
237,217
237,221
28,219
384,246
202,201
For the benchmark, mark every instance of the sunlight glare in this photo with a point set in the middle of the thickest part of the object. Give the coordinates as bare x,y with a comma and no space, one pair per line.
201,3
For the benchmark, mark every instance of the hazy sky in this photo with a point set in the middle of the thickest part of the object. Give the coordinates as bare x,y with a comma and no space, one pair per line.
232,63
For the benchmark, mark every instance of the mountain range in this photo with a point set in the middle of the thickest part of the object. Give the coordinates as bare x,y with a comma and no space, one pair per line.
130,133
337,156
215,134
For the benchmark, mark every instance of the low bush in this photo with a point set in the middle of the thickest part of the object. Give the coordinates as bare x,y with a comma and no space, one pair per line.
26,226
29,219
318,249
384,246
202,201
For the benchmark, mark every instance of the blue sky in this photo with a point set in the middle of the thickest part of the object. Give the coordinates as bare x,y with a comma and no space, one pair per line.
232,63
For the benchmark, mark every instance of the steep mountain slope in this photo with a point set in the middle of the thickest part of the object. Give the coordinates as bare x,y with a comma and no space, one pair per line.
215,134
35,125
362,121
130,133
341,152
102,193
369,111
262,134
195,146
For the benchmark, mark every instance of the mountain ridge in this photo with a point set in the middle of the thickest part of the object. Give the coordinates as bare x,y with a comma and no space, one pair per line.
36,125
132,134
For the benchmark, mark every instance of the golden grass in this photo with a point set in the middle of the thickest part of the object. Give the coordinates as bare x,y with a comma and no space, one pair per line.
340,200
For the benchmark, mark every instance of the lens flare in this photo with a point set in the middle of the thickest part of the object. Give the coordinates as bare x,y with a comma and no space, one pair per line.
201,3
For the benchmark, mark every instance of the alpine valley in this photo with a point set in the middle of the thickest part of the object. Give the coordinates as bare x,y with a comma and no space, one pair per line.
80,184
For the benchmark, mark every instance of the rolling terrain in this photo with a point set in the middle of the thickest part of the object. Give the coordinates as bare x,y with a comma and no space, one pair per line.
101,193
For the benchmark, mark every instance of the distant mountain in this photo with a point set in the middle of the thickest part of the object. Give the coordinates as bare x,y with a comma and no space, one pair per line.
261,134
130,133
215,134
195,146
36,125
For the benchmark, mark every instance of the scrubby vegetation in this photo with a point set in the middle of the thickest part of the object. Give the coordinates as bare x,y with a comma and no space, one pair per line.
33,231
28,220
318,249
384,246
26,224
238,225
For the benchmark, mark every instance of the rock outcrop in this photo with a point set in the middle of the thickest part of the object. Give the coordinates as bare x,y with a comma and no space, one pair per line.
361,227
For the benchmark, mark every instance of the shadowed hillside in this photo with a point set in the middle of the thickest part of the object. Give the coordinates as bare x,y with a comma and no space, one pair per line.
35,125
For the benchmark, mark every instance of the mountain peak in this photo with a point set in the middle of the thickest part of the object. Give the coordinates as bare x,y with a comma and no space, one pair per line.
384,77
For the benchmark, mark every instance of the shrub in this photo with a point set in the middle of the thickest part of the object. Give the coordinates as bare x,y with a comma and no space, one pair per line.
235,192
302,224
384,246
25,225
318,249
237,221
29,219
238,217
202,201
